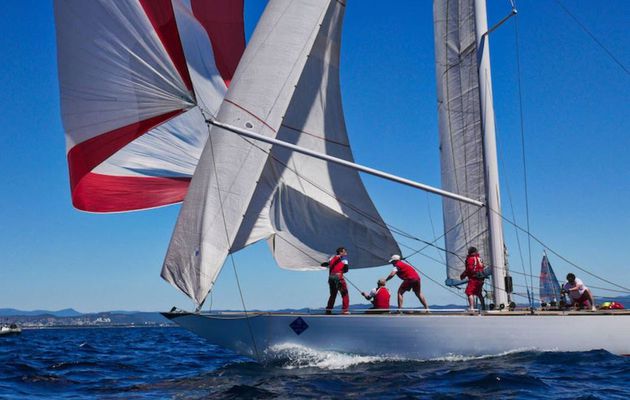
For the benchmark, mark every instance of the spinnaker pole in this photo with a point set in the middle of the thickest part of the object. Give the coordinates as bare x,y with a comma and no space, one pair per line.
349,164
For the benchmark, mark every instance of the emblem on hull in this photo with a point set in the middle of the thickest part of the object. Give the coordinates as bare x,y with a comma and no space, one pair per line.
298,326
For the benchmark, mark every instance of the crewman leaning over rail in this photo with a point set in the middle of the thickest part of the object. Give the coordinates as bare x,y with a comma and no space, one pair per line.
410,280
579,294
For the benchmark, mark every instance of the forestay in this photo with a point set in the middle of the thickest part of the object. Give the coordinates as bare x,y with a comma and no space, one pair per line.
134,76
460,127
287,87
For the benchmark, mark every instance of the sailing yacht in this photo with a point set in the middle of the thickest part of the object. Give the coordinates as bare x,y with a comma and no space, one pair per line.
272,162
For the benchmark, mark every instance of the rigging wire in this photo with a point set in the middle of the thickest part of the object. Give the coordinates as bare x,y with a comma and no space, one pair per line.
518,238
539,241
432,225
524,158
592,36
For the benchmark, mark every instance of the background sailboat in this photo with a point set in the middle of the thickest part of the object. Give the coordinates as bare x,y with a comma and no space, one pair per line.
549,289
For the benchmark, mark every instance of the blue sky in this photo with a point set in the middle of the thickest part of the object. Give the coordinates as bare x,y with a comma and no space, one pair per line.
575,105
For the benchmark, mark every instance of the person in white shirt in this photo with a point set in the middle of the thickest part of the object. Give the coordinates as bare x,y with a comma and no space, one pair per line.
578,293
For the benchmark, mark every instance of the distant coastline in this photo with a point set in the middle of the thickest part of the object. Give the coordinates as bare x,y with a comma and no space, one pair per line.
70,318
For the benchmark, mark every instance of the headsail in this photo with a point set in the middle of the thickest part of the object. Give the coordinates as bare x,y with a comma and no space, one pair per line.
131,74
461,135
549,286
287,87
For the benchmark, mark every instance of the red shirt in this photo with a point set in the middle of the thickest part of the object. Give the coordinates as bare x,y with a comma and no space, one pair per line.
405,271
381,298
336,265
474,265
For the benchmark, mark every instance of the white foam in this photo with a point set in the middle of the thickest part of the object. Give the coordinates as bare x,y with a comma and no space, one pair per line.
299,356
459,357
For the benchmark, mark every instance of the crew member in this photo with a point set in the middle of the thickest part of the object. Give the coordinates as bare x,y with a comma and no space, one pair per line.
379,296
337,265
579,294
410,280
474,273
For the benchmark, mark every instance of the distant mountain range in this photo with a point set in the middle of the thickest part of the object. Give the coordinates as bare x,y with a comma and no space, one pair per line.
66,312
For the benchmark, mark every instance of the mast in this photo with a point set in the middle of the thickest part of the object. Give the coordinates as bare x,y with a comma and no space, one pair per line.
493,201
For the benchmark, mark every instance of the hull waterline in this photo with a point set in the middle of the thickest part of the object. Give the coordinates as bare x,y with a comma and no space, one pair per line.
411,336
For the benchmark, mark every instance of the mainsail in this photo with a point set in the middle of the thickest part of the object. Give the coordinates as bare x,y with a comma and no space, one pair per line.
134,76
464,106
287,87
549,289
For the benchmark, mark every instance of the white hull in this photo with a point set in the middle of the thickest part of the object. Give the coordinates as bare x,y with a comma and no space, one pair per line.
414,336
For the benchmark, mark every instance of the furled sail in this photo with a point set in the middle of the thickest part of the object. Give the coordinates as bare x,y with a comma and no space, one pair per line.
286,87
549,288
135,76
460,126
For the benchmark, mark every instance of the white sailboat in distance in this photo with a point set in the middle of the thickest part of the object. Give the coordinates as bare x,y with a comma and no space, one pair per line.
272,161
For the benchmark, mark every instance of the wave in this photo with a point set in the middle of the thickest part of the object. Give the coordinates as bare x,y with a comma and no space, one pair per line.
293,356
463,358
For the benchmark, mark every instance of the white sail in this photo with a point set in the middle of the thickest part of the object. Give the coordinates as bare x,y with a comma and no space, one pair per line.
132,74
287,87
461,135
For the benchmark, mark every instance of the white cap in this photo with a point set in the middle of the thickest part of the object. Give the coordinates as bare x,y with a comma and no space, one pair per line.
395,257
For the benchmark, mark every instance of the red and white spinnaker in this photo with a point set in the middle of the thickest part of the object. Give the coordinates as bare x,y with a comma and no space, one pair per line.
137,80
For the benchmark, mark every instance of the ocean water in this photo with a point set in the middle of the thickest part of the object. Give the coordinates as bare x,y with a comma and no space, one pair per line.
171,363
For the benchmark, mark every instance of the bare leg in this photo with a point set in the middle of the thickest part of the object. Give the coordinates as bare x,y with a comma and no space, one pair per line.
471,302
420,297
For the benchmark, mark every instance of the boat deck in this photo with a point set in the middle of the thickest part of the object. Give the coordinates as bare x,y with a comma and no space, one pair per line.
410,312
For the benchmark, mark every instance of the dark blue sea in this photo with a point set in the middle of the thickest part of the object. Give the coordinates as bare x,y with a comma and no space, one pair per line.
165,363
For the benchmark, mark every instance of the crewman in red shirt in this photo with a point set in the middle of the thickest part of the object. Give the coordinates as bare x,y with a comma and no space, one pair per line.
410,280
337,266
379,296
474,273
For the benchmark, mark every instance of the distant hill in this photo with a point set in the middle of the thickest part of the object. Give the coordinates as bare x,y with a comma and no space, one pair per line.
66,312
73,318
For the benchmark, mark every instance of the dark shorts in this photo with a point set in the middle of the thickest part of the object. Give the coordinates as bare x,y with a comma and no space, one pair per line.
474,287
409,284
